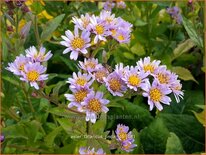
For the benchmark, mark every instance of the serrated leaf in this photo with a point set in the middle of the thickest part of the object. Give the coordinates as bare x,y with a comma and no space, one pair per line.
174,145
183,73
50,27
183,48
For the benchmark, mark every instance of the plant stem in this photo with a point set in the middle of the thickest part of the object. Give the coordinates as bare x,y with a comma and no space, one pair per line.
27,97
36,31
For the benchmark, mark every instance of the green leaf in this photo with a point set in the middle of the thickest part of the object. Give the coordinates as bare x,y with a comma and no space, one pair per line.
174,145
139,148
49,139
183,48
138,49
128,55
189,27
183,73
200,117
140,22
50,27
66,124
188,129
154,137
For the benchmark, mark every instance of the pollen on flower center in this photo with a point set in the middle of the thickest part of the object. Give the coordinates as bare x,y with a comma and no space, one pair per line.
155,95
81,81
77,43
32,75
114,32
21,67
149,67
115,84
134,80
80,95
100,74
120,37
90,64
99,29
163,79
94,105
123,136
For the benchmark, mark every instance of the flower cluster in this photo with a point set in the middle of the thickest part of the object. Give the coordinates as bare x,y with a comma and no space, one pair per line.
29,67
125,138
87,151
148,77
84,98
108,5
174,12
93,29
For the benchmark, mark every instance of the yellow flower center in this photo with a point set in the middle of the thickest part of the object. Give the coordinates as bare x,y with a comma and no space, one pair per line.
109,19
115,84
114,32
100,74
99,29
32,75
77,43
80,95
123,136
120,37
163,79
81,81
149,67
127,147
134,80
94,105
21,67
90,64
155,95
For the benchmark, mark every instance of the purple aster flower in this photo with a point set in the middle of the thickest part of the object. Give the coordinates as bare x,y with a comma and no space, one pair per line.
124,25
33,72
125,138
164,76
87,151
90,65
174,12
115,84
80,80
156,94
176,89
83,23
108,5
94,104
147,66
76,43
18,65
99,28
134,79
128,146
100,74
78,96
2,138
122,36
36,56
120,69
107,17
121,5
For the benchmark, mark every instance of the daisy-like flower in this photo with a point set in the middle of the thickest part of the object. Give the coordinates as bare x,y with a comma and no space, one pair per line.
124,25
107,17
88,151
33,72
115,84
18,66
128,146
78,96
147,66
76,43
122,36
121,5
164,76
156,94
94,104
125,138
99,28
80,80
83,23
90,65
100,74
134,79
108,5
176,89
36,56
120,69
